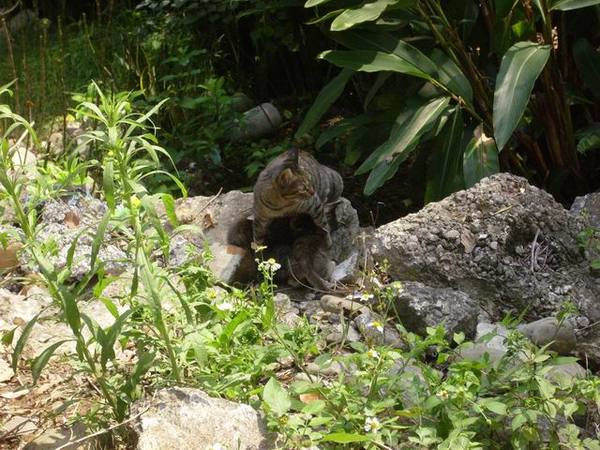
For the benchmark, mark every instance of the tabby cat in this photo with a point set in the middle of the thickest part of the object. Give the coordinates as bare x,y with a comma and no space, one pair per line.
293,184
310,261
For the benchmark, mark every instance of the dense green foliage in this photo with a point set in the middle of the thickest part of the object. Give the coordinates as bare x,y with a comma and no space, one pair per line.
469,92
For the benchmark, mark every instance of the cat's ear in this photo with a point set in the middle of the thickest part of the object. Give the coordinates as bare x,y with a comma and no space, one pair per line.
291,159
286,178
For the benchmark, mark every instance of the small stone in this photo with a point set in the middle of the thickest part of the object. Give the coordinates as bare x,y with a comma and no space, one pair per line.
478,352
343,332
548,329
332,369
566,372
333,304
419,306
452,235
493,245
376,331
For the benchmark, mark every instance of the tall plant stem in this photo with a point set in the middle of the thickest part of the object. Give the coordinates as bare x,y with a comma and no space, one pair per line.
11,60
560,123
454,47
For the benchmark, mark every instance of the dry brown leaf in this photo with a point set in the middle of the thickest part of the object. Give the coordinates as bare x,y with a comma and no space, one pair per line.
310,397
14,394
8,255
72,219
208,221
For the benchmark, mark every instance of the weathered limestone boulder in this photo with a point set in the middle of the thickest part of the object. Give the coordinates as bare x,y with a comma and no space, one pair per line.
505,243
419,306
189,418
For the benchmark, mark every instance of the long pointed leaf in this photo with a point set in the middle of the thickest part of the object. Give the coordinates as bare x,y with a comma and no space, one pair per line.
520,67
329,94
38,364
407,133
20,345
367,12
383,172
370,61
480,158
444,174
567,5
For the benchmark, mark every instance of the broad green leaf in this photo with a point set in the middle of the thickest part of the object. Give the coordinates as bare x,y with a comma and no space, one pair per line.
311,3
383,172
276,397
520,67
367,12
444,172
567,5
518,421
480,158
496,407
370,61
346,438
388,44
406,134
38,364
450,75
20,345
227,333
587,60
328,95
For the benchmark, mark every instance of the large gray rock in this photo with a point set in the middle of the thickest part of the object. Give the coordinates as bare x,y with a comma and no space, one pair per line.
419,306
507,244
186,418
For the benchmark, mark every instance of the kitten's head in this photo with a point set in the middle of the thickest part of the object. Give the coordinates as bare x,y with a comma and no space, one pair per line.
291,181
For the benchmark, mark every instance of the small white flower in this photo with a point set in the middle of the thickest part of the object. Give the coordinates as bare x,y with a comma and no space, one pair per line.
270,265
372,425
225,306
373,353
377,325
365,297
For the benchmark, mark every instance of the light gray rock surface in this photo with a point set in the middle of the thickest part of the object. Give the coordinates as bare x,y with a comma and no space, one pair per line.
505,243
548,329
419,306
183,418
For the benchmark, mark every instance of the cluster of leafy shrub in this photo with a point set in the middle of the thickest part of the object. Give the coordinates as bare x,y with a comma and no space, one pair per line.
184,327
477,86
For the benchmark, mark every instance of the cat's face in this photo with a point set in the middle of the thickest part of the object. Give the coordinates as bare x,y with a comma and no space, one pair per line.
292,184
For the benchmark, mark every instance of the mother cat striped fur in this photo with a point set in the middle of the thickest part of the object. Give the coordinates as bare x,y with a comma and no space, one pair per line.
294,183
